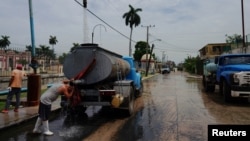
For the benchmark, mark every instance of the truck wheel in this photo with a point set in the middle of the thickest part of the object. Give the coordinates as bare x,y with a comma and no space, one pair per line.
131,102
221,88
139,92
203,81
206,86
209,88
226,90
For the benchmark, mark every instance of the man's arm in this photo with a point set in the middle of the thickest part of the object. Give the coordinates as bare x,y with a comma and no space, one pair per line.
11,80
68,91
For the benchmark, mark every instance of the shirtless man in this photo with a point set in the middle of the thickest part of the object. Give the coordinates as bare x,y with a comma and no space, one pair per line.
46,100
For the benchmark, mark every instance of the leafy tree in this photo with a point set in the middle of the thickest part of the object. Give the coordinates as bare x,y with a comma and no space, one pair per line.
38,50
28,48
140,50
23,62
45,53
234,39
62,58
74,46
132,19
4,42
190,64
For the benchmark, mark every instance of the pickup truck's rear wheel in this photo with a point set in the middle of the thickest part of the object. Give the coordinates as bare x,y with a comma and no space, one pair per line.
226,90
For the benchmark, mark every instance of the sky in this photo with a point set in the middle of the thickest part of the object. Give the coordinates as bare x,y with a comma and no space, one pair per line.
177,28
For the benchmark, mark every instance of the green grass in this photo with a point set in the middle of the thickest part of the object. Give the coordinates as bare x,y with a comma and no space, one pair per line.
2,104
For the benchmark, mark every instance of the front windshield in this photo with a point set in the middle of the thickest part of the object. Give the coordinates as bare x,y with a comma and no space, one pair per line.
232,60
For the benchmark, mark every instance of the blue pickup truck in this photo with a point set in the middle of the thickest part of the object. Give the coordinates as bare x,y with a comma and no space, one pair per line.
231,72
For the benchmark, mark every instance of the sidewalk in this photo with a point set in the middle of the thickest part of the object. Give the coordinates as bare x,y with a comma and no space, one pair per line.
24,114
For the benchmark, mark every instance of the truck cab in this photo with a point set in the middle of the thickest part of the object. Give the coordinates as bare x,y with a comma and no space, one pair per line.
233,75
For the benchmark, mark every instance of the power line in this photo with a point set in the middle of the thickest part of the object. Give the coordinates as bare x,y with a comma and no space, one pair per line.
175,47
105,22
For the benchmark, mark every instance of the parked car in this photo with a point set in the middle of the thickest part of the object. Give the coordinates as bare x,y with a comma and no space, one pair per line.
165,70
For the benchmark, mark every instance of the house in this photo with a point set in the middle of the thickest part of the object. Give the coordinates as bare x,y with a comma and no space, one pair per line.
214,49
144,59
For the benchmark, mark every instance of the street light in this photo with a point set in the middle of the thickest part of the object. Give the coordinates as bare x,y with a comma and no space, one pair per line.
94,30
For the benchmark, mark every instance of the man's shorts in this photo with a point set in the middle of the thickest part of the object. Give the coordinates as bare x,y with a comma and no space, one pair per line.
44,111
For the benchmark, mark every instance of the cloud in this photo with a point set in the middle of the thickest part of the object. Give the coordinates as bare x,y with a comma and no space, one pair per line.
184,26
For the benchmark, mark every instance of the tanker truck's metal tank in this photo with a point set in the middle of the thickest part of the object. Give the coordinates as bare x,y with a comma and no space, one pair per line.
97,64
211,67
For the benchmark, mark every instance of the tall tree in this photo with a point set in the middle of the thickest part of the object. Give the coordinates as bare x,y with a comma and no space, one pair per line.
52,41
132,19
4,42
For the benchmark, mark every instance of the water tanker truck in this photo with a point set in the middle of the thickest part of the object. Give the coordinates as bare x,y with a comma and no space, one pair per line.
101,78
231,72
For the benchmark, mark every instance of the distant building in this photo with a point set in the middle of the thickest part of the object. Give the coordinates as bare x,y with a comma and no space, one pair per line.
10,58
214,49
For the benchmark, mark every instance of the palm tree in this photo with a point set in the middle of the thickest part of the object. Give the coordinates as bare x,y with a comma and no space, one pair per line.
52,41
29,48
4,42
132,19
44,53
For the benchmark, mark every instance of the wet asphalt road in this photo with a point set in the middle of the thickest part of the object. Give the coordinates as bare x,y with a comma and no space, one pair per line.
172,108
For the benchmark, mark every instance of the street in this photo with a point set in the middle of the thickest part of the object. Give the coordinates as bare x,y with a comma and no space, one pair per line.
173,107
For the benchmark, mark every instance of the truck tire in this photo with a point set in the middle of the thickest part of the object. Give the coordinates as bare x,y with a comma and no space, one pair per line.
203,81
221,88
226,90
209,87
205,86
131,102
140,91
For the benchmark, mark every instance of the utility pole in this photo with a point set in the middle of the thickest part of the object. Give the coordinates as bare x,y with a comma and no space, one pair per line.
151,51
148,26
243,27
34,80
32,29
163,56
